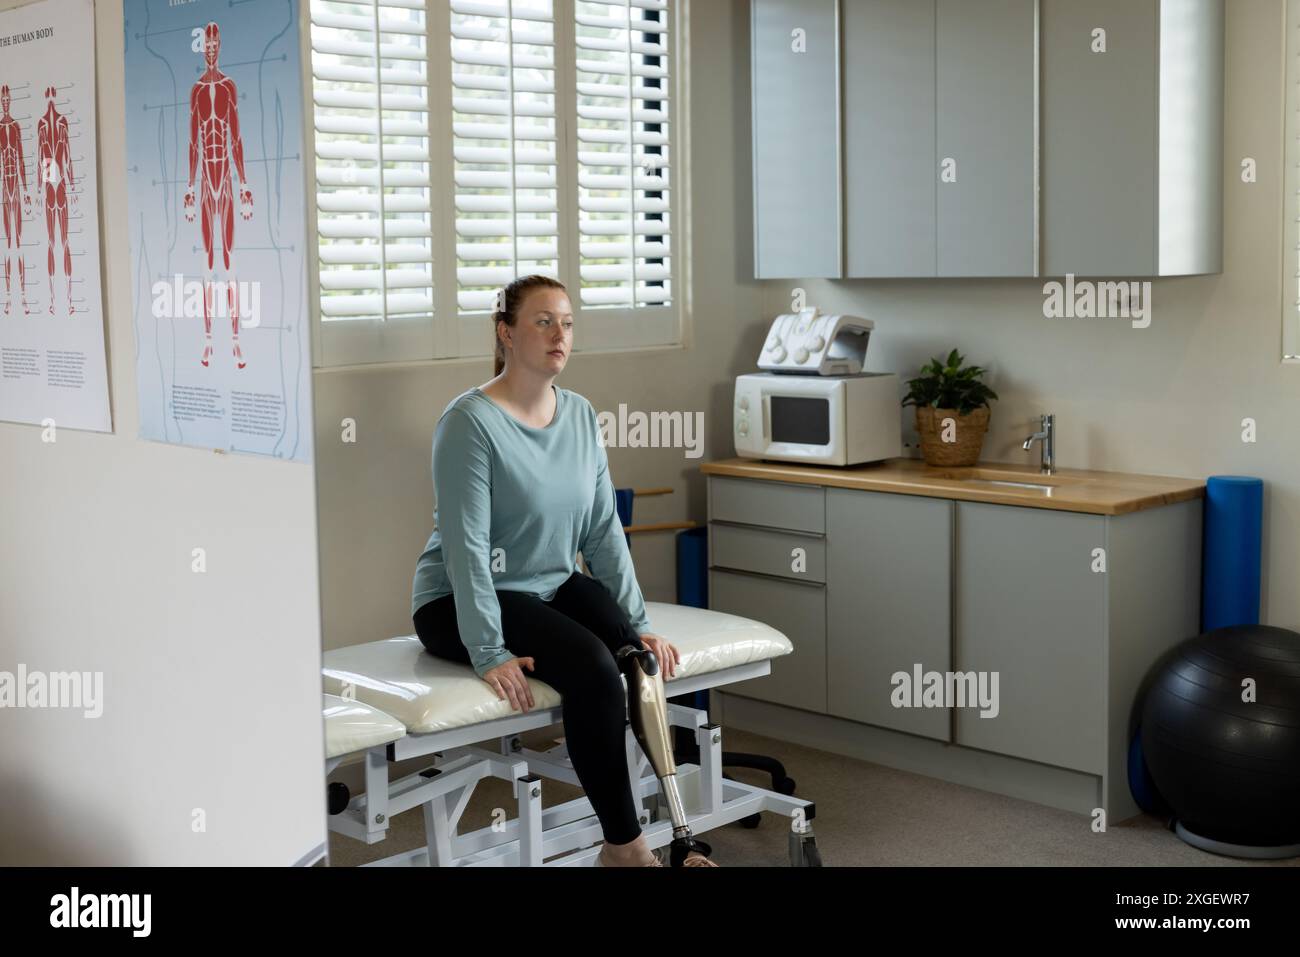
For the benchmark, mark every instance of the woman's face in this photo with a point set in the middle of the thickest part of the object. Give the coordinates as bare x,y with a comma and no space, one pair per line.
543,332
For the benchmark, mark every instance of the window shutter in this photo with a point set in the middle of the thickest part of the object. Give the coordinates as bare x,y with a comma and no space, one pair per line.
623,123
371,96
505,138
460,144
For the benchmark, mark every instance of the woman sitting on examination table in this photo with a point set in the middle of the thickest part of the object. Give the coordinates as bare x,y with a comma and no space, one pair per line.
522,485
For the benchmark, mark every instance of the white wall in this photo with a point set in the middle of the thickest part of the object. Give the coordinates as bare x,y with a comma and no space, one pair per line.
211,682
376,496
1166,400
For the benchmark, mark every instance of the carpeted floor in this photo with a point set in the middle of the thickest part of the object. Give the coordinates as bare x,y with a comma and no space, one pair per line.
867,815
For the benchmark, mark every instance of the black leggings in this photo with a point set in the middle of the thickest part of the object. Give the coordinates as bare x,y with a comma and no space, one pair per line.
572,640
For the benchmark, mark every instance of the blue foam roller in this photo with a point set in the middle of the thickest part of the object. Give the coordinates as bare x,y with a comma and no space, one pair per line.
623,505
1234,520
693,584
1144,790
693,567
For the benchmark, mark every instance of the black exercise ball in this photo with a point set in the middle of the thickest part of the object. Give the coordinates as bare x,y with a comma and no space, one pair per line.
1228,768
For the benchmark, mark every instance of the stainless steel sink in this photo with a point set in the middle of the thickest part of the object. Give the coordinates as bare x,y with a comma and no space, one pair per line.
1046,489
1007,478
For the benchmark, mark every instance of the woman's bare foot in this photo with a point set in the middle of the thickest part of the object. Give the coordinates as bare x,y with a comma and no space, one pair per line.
638,854
696,859
634,854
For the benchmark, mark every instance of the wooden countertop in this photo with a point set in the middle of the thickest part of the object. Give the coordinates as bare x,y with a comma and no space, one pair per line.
1071,490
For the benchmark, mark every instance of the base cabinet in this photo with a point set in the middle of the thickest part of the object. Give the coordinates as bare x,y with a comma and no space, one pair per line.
888,607
795,609
1031,629
1030,623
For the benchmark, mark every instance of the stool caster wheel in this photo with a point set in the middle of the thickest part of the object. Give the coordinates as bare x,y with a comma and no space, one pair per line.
338,796
804,851
752,821
784,786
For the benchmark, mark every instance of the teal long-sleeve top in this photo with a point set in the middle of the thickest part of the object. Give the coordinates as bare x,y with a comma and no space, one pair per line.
515,505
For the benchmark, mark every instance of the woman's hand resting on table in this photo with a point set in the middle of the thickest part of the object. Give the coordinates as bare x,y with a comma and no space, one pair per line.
668,656
509,681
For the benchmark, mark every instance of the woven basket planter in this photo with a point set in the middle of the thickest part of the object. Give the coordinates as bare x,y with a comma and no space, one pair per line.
967,434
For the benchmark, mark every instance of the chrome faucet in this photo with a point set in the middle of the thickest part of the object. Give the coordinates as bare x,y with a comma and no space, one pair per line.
1046,435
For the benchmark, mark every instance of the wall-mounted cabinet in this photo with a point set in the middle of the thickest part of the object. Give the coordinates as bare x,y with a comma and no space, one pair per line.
1132,137
889,131
967,138
939,123
796,117
985,103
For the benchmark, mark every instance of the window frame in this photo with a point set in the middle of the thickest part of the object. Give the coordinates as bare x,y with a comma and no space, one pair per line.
450,336
1290,182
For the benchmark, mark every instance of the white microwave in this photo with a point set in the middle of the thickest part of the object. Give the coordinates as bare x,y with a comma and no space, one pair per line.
818,420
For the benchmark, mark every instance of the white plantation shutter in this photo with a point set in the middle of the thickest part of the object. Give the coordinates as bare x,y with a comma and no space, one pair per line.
505,139
460,144
623,133
371,129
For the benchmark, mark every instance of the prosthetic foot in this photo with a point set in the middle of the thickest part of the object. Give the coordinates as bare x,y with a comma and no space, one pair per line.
648,708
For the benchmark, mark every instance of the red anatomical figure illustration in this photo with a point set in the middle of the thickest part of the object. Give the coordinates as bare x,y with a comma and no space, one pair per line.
13,184
54,158
216,147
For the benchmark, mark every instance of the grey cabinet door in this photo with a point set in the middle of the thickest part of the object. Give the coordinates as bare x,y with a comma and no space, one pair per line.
889,158
1100,126
1030,607
796,610
986,126
888,601
796,105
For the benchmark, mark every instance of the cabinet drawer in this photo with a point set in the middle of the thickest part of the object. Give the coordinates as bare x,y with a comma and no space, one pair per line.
801,508
768,552
796,610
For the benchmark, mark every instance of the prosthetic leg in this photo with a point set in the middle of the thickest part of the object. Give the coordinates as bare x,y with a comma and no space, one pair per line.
648,709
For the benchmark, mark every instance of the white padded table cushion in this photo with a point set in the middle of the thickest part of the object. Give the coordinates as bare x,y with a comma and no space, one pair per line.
352,726
427,693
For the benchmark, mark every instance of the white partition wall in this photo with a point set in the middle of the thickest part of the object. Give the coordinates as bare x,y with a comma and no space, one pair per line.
209,747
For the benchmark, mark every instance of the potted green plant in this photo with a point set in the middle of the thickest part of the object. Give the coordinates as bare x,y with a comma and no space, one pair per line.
952,410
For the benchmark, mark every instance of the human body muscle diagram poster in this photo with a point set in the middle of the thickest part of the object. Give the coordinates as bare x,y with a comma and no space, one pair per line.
53,370
215,180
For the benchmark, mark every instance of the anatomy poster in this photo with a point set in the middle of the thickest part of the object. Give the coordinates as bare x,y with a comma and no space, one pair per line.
215,186
52,362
